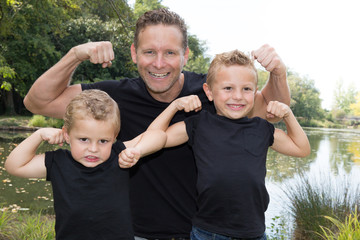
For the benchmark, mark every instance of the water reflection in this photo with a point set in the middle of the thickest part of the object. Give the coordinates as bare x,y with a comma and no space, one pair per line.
19,193
333,153
334,157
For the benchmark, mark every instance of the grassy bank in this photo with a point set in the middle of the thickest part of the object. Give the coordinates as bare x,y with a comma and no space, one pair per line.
24,226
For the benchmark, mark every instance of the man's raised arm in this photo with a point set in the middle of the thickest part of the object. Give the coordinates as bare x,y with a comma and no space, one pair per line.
51,92
276,88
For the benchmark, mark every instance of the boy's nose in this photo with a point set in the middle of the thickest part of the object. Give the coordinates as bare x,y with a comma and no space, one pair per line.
237,95
93,147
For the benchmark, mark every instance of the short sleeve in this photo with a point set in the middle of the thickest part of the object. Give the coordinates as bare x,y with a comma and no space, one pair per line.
191,124
271,133
49,159
118,146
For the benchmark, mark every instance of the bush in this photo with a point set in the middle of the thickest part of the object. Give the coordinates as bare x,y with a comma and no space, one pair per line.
41,121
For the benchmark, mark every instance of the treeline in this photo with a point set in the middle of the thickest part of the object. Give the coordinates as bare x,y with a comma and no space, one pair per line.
35,34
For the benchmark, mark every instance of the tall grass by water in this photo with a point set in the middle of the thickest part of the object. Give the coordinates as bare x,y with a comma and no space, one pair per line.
315,204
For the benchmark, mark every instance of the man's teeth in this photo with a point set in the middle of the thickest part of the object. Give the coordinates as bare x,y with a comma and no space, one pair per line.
159,74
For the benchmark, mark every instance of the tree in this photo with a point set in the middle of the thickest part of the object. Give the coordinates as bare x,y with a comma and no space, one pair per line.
142,6
198,61
344,98
355,107
305,98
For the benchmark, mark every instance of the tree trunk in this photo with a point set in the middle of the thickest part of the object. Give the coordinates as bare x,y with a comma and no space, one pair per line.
9,103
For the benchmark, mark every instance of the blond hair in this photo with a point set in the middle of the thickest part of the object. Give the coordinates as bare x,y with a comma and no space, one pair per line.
227,59
93,103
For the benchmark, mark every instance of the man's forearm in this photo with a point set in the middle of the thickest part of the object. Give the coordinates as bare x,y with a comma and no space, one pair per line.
277,89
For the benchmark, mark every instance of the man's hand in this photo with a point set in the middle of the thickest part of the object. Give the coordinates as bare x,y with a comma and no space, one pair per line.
270,60
97,52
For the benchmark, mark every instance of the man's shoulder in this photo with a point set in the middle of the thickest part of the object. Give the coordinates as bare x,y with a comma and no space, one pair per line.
193,76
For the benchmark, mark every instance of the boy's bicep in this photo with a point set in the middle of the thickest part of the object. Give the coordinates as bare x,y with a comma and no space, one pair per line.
34,169
283,143
176,134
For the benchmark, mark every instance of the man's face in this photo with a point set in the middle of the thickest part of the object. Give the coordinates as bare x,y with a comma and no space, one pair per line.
160,59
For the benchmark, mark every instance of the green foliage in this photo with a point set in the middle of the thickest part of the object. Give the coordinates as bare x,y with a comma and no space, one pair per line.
344,98
92,28
41,121
355,107
263,76
198,62
142,6
278,229
305,98
346,230
35,227
311,200
5,218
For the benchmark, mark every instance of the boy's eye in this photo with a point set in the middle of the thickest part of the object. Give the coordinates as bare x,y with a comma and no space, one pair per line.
103,141
227,88
248,89
83,139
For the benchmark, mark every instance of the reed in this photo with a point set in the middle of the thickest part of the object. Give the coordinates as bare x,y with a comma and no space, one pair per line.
311,200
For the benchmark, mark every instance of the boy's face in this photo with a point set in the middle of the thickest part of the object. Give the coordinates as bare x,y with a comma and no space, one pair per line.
90,141
233,91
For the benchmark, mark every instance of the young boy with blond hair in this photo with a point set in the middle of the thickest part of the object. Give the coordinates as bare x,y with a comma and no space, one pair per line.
230,149
90,190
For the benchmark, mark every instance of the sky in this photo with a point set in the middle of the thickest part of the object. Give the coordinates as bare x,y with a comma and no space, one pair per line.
318,39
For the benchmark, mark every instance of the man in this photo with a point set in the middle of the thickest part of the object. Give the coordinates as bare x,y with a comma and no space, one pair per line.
162,186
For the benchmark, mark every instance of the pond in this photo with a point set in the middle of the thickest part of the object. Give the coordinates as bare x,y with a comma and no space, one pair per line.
335,153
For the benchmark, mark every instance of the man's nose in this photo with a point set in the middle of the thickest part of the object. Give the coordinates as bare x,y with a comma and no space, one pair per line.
159,61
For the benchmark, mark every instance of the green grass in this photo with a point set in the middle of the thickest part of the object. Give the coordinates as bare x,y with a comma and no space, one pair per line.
349,229
310,201
25,226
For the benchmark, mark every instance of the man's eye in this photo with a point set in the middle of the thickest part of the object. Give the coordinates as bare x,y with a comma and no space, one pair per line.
170,53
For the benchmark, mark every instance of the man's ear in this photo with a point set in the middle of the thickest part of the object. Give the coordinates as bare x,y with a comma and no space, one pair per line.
133,53
208,91
66,135
186,55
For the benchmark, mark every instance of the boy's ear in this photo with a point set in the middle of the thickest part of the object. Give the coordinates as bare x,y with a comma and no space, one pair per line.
66,135
208,91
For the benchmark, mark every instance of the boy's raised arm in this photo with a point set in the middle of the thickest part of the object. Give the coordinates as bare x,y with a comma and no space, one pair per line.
154,138
294,142
23,161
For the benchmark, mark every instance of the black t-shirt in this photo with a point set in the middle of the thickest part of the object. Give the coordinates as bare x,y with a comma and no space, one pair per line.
231,161
162,185
90,203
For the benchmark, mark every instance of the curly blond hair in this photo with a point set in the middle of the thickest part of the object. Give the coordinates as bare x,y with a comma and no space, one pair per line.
93,103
